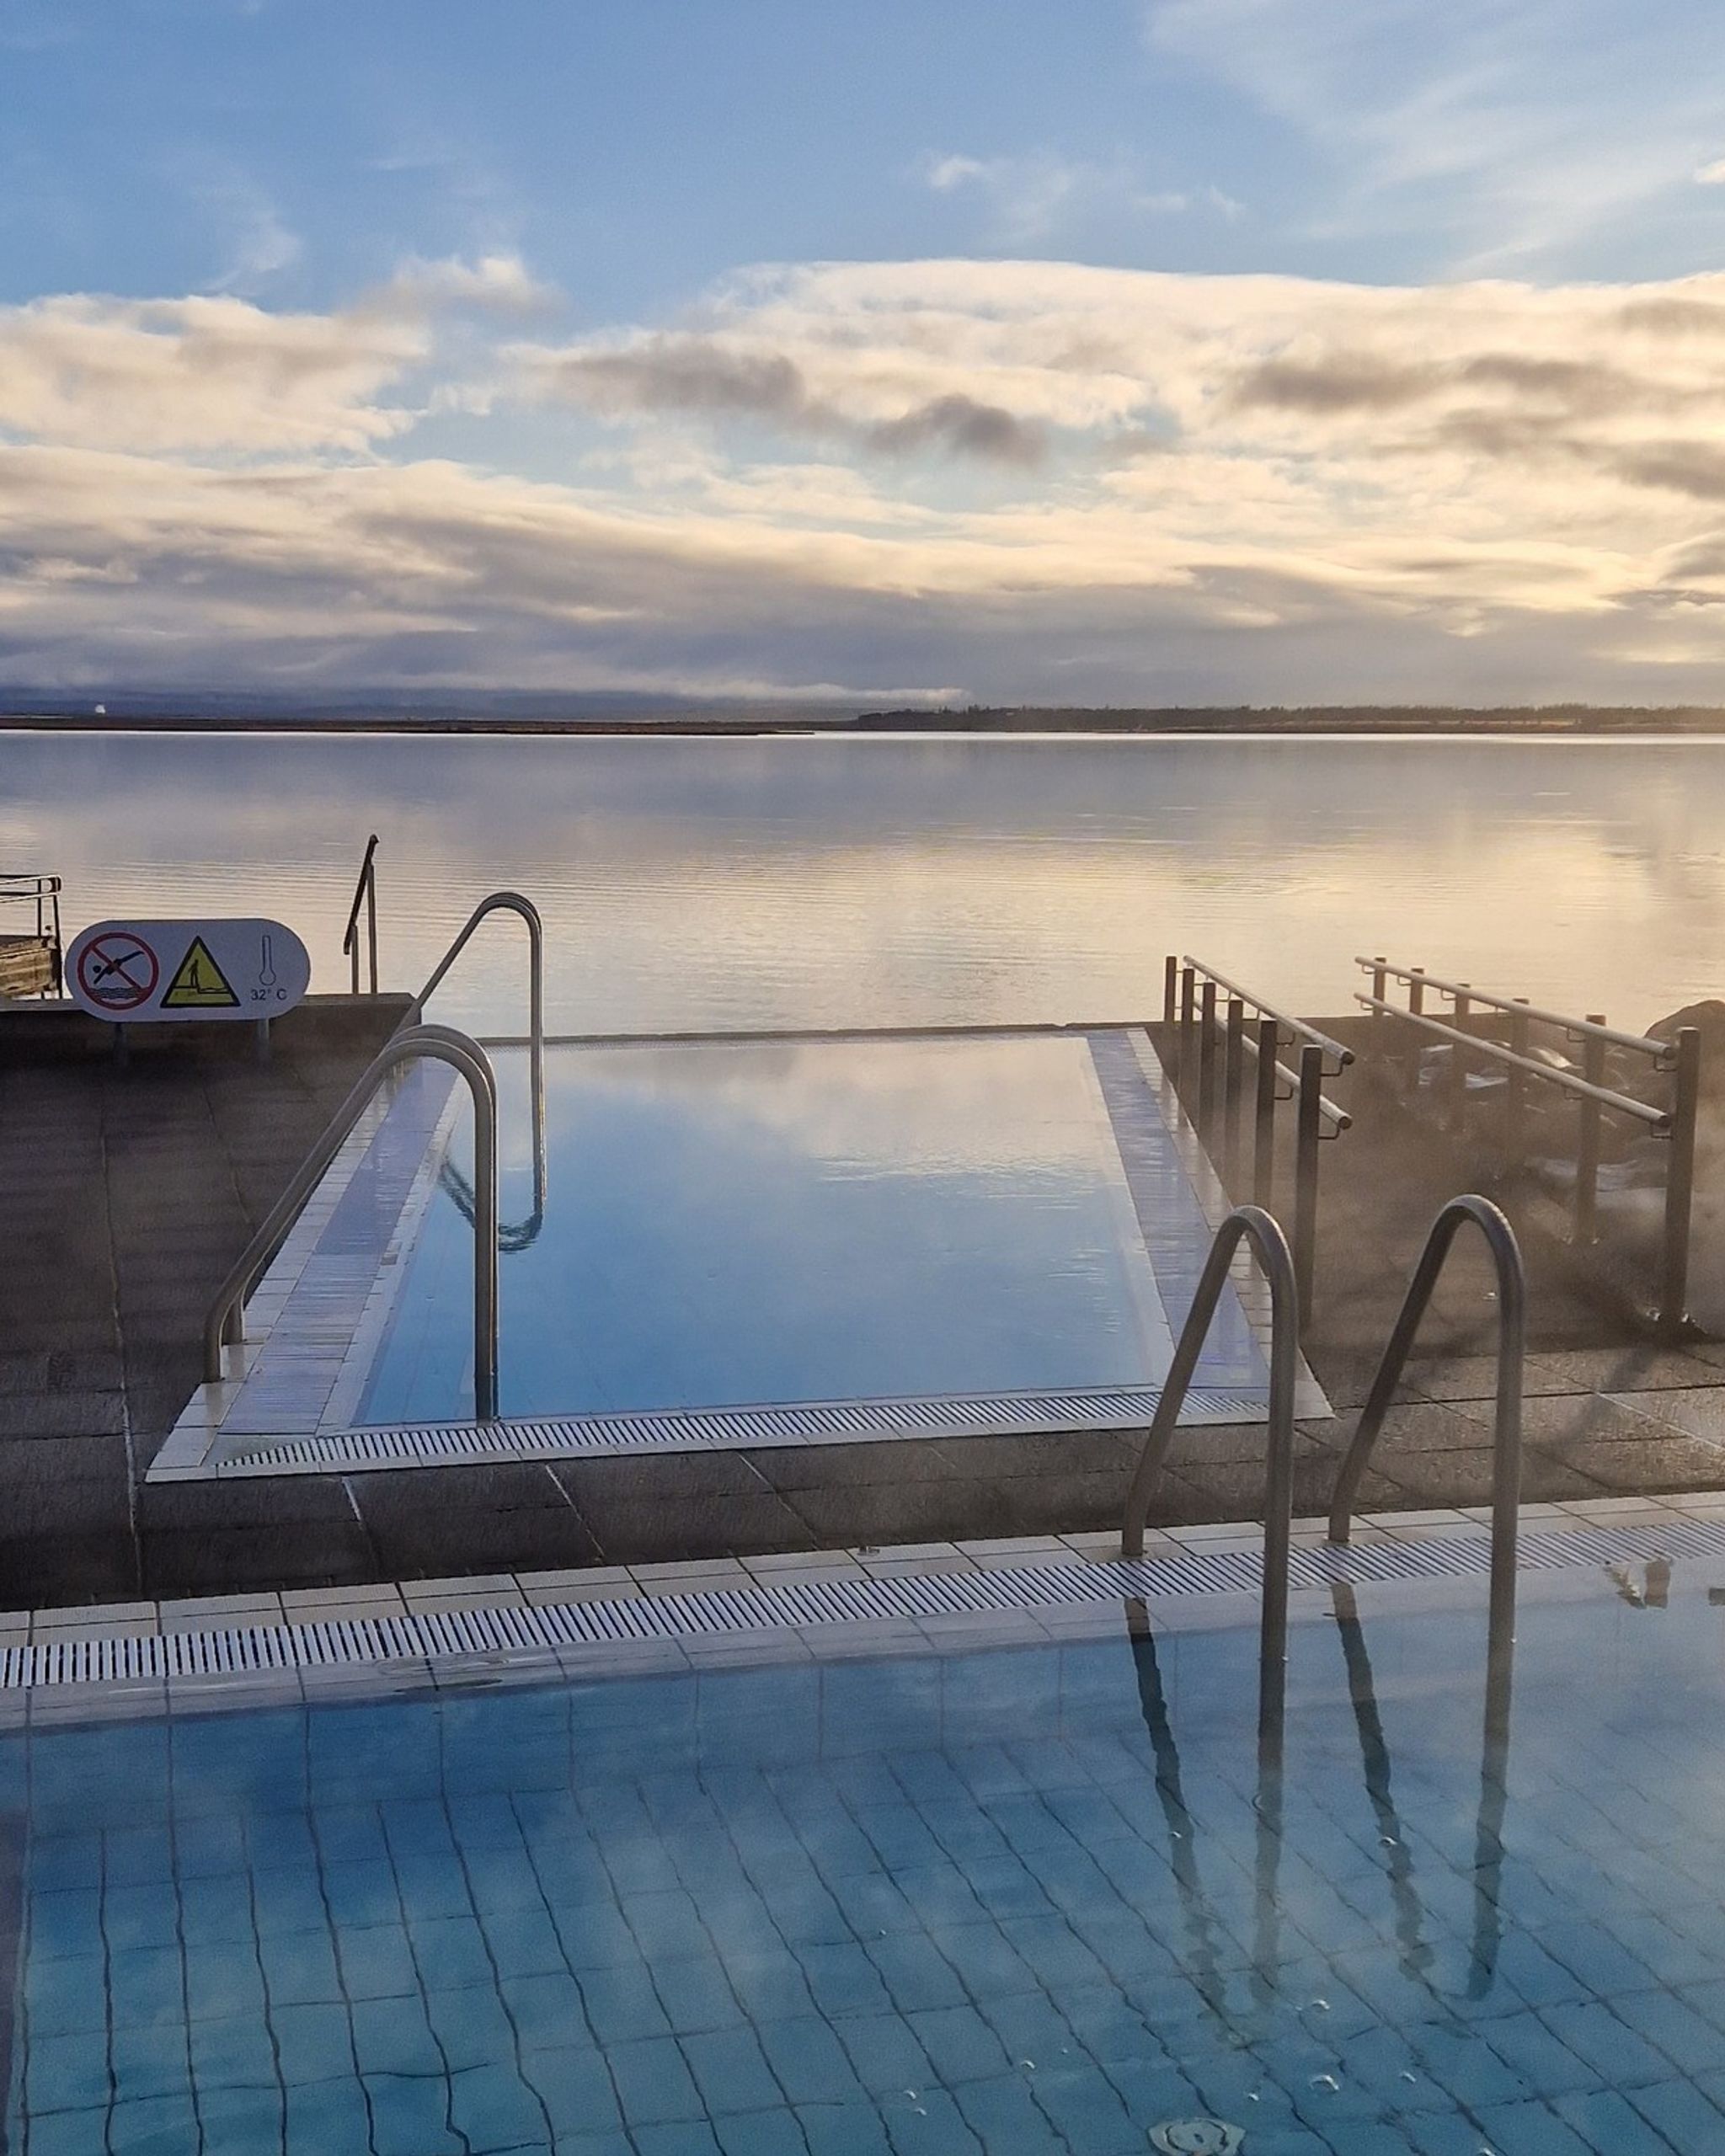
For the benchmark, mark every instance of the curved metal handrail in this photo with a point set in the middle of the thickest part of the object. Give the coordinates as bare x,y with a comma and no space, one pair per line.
1263,1230
366,893
225,1322
509,902
1512,1348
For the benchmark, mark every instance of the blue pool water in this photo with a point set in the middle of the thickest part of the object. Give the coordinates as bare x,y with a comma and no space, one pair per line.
730,1224
1006,1903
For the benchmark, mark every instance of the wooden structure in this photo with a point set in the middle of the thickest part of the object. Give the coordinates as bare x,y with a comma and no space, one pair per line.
30,952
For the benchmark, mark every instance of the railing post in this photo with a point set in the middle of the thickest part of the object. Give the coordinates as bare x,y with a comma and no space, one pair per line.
1189,1017
1458,1069
1171,988
1306,1138
1515,1092
372,918
1206,1057
1233,1082
1380,983
1679,1185
1263,1135
1416,990
1587,1151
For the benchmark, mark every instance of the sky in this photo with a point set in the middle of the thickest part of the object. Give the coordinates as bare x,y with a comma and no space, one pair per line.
1023,351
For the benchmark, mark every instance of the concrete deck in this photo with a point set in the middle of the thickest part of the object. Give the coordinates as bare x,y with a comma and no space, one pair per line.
130,1191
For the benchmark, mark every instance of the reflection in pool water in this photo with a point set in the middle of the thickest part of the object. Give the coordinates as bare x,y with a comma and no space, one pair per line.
729,1224
1020,1903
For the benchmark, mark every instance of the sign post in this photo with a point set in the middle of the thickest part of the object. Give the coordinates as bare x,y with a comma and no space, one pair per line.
140,973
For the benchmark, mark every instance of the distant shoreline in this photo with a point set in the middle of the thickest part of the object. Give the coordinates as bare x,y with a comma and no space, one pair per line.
1540,721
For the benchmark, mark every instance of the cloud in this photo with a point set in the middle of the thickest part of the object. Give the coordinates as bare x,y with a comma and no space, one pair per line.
222,373
1711,174
200,373
1515,130
706,376
1038,481
1032,196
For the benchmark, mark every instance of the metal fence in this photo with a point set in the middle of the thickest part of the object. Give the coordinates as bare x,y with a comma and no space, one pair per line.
1581,1077
1216,1046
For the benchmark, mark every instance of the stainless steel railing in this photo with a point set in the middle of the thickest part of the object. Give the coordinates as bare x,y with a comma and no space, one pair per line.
1245,1223
366,894
224,1324
1512,1348
1210,1053
509,902
1680,1058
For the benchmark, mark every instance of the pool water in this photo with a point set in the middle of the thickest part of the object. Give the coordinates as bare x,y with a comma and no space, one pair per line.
728,1224
1009,1902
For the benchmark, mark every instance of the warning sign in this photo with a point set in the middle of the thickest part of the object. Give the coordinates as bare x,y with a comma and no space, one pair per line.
199,984
116,971
137,972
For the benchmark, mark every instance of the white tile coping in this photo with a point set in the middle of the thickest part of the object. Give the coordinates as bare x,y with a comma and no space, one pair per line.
913,1559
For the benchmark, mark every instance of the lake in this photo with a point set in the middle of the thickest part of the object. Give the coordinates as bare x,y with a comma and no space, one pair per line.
689,883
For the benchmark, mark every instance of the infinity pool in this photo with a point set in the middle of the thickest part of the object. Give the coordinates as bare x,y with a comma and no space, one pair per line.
1010,1902
731,1225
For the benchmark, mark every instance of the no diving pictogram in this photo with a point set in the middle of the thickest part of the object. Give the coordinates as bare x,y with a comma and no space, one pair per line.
118,970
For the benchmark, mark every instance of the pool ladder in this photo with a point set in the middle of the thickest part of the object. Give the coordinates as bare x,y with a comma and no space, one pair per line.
1252,1223
412,1041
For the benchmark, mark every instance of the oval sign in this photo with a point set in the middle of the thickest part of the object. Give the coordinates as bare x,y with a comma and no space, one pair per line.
138,972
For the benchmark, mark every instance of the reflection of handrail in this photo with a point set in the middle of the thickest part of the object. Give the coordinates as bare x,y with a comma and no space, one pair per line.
1204,1956
1512,1347
509,902
1374,1757
226,1320
1417,1957
512,1236
366,893
1244,1223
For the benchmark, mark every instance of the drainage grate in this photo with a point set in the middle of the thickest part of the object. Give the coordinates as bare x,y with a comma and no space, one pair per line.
565,1437
252,1649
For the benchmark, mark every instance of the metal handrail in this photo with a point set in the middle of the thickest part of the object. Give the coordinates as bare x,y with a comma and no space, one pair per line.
509,902
1245,1223
1679,1058
225,1322
1223,1042
1512,1348
1337,1117
1662,1052
1296,1028
1658,1120
366,893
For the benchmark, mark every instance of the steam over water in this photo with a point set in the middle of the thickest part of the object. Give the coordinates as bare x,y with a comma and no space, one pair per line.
692,883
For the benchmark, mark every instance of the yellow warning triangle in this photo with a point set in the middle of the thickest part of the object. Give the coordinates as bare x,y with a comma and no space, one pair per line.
200,984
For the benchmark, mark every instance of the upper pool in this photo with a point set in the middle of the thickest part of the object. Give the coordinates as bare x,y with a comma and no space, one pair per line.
737,1224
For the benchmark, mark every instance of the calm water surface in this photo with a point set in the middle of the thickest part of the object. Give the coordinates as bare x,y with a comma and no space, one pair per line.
690,884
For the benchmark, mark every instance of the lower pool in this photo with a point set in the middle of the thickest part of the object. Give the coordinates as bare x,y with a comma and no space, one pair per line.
1021,1900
